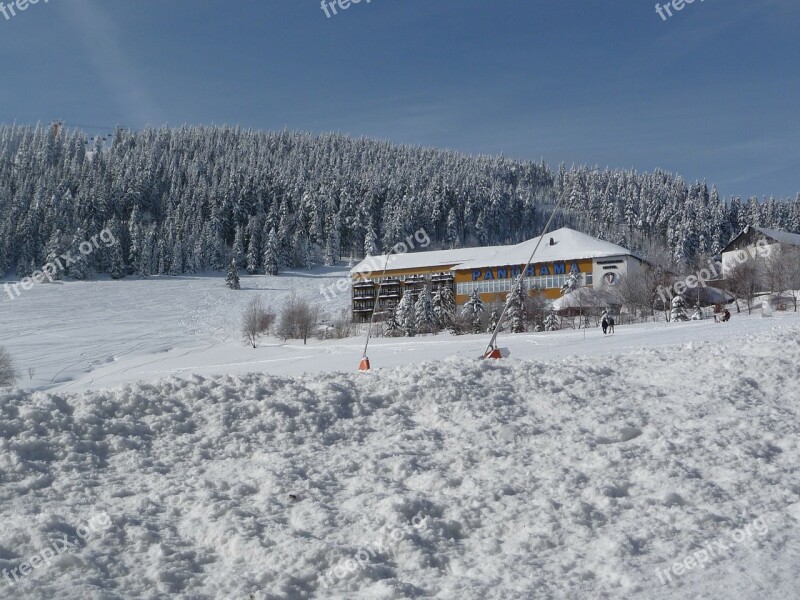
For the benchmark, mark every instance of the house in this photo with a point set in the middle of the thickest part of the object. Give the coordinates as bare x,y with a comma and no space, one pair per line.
491,271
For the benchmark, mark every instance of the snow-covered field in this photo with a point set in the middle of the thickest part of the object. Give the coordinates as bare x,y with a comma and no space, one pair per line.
575,469
97,334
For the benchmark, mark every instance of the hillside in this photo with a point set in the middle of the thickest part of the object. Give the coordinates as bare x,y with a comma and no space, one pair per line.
183,201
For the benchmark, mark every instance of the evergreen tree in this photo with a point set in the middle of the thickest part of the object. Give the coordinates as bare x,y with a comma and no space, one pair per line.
406,315
271,253
54,250
698,313
474,308
393,326
232,280
493,319
79,269
515,308
423,311
551,322
146,264
253,247
444,306
238,247
117,267
572,283
370,242
678,312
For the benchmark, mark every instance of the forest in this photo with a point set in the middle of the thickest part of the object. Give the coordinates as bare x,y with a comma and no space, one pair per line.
191,199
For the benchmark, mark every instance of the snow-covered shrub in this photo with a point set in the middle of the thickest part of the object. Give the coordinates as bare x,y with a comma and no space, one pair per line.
679,309
551,323
8,375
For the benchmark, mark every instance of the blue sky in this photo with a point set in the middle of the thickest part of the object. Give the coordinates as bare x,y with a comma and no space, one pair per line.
713,93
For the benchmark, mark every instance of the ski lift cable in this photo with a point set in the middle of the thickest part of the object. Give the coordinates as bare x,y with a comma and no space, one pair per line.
491,347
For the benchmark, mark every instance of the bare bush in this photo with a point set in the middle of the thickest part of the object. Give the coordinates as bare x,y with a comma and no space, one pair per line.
743,283
782,269
256,321
340,329
297,320
8,375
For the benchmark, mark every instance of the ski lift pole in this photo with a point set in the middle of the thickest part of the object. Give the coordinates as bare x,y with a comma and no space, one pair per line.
364,365
491,349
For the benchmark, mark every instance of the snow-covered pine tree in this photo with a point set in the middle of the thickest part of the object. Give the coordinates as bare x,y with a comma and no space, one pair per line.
406,314
271,258
54,250
444,306
393,326
678,312
473,309
551,322
117,262
238,247
370,241
79,269
232,280
474,306
146,263
253,246
572,283
176,259
424,313
136,231
493,322
515,311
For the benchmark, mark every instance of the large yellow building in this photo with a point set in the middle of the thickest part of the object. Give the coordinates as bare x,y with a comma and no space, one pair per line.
491,271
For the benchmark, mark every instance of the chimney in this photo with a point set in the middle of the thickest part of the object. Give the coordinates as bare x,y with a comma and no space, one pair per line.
552,242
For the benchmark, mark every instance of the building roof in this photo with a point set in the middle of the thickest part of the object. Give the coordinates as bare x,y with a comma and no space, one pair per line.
784,237
586,298
420,260
777,235
568,244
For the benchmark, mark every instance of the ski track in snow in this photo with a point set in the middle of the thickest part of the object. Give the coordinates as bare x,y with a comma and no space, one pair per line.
573,470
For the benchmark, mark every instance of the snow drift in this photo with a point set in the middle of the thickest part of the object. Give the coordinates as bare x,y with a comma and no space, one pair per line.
458,479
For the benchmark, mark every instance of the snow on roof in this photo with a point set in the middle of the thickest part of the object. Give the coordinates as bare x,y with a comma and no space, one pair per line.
784,237
568,245
585,298
419,260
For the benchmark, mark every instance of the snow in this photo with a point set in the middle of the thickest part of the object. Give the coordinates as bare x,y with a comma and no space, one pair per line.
86,335
569,245
573,469
586,298
422,259
784,237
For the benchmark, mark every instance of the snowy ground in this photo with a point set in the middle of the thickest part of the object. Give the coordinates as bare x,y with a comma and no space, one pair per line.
576,469
93,335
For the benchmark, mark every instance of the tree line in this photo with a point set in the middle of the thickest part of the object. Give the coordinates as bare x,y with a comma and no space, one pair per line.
192,199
